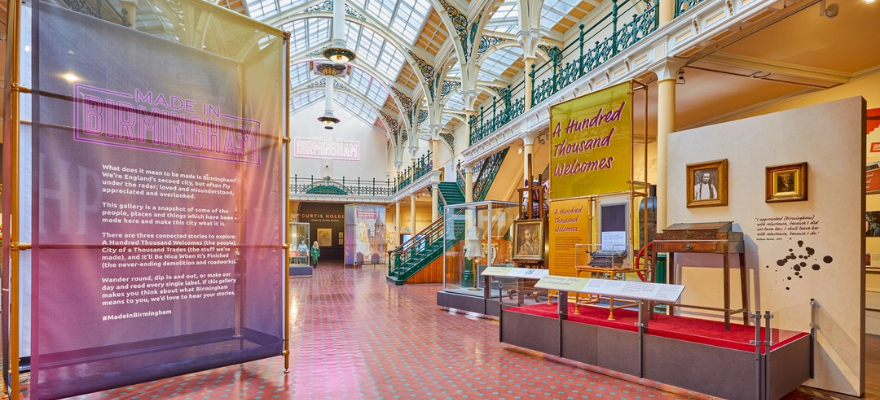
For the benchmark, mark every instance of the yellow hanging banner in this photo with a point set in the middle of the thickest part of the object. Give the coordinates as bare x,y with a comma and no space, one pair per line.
591,144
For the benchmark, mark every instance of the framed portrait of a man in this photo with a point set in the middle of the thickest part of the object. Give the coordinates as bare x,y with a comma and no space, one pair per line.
707,184
786,182
528,240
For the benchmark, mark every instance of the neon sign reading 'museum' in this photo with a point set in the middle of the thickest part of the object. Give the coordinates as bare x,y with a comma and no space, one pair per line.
166,124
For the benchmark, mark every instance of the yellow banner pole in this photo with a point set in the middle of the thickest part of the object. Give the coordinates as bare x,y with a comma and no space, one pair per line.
14,47
285,138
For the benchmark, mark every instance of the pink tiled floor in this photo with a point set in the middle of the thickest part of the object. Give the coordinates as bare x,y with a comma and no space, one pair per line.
354,336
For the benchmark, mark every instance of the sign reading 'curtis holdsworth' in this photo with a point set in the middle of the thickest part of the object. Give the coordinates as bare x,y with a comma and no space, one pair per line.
591,144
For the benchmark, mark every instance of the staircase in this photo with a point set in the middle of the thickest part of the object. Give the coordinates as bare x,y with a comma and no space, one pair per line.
424,247
416,253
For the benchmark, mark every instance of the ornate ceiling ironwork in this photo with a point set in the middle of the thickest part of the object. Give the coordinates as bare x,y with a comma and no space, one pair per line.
328,6
449,86
450,139
486,42
427,72
423,115
405,101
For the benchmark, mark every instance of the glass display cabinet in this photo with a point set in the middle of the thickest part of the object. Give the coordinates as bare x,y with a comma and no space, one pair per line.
476,236
299,244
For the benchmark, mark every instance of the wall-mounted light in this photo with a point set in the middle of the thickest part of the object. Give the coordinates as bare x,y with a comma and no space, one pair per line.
70,77
830,10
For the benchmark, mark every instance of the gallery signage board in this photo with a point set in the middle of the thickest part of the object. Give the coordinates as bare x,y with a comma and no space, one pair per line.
605,287
145,262
591,144
569,226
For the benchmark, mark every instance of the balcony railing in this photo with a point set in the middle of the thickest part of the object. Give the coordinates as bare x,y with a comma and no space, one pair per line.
683,5
609,38
362,187
420,168
509,104
342,186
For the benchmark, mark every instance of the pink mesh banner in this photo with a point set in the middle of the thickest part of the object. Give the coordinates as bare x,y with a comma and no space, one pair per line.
157,197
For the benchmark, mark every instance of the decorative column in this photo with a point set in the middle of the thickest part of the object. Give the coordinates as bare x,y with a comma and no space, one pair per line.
397,226
666,75
412,214
528,39
667,11
469,184
435,145
435,189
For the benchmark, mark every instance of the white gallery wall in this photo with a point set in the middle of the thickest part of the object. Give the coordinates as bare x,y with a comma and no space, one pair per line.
830,138
373,162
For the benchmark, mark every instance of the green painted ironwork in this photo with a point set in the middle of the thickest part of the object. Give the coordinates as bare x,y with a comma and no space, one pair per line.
422,167
509,104
608,39
343,186
683,5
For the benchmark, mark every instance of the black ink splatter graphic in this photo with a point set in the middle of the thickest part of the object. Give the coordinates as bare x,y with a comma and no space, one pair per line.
811,261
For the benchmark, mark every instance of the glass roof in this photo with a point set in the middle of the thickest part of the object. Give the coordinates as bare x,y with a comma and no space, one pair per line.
265,8
299,74
373,50
355,106
352,104
506,18
364,83
455,102
554,10
406,17
498,62
302,100
446,118
307,33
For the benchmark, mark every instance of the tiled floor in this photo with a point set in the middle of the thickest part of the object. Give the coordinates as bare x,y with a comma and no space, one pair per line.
354,336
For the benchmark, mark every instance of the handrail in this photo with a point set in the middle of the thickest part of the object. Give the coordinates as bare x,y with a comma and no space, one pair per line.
424,234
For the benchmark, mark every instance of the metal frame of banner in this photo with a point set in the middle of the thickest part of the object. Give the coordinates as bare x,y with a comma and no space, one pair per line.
14,47
285,139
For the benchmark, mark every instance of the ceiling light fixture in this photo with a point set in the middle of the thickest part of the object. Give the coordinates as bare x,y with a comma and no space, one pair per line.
337,52
829,11
339,55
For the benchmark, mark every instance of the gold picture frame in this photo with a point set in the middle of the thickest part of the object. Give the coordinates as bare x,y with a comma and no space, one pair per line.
786,183
528,240
707,184
325,237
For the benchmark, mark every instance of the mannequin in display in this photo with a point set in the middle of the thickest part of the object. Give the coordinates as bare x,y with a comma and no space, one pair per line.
474,246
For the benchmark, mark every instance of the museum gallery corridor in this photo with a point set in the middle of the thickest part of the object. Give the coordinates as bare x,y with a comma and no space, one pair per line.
354,336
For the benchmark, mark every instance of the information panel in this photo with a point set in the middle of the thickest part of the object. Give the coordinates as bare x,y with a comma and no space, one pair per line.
591,144
569,226
157,199
364,234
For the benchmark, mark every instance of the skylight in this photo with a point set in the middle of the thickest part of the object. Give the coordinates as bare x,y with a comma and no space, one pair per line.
369,87
506,18
446,118
405,16
498,62
356,106
306,33
455,102
304,99
554,10
300,74
261,9
373,50
455,71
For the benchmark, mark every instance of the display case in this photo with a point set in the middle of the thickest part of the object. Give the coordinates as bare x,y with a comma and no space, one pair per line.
298,255
476,236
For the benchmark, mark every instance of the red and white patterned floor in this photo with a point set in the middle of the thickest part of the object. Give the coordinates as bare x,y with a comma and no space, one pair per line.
354,336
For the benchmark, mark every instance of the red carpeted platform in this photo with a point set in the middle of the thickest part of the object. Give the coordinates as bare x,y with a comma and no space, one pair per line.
690,329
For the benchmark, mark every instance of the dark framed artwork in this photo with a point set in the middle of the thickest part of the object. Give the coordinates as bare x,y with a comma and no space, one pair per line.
707,184
528,240
786,183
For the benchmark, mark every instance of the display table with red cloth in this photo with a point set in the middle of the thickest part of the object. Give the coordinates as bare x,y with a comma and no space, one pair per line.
691,353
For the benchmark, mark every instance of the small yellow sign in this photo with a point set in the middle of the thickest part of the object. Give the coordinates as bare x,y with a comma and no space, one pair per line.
569,226
591,144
